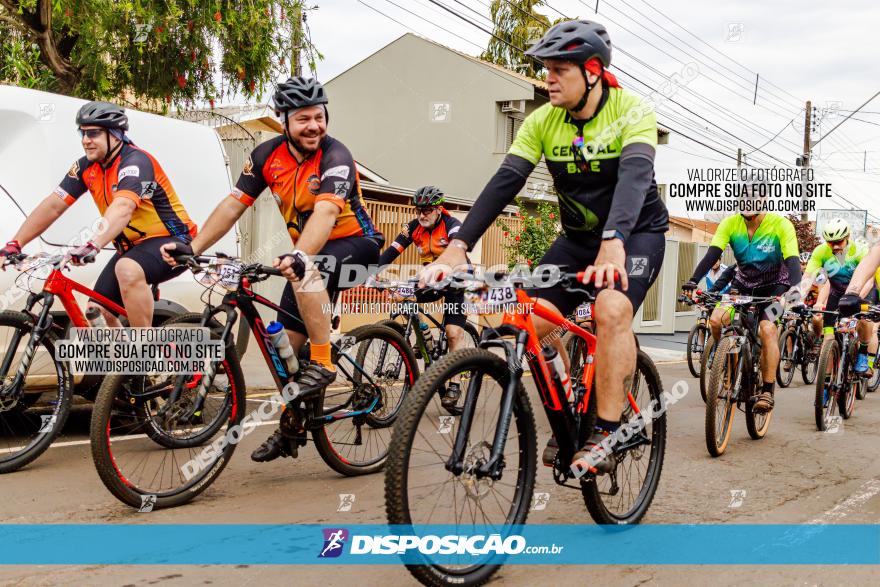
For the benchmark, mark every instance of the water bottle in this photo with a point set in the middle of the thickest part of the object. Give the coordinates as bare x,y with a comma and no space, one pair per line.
282,345
429,339
558,372
96,318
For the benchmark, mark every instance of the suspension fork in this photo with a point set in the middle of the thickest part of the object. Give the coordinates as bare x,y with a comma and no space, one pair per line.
41,325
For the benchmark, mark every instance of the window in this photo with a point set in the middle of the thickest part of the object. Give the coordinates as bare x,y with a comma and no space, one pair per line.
512,124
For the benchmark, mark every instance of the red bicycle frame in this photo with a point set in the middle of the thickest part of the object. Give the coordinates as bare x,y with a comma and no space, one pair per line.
64,287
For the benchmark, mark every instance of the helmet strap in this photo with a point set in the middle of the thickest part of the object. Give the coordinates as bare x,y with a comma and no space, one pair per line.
110,154
583,101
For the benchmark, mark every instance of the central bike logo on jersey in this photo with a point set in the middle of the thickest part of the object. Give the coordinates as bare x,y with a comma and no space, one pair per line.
334,541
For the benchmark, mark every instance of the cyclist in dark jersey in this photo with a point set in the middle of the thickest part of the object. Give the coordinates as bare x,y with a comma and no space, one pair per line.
314,181
768,264
598,141
140,209
431,231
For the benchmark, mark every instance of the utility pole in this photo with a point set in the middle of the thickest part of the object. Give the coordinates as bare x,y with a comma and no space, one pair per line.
739,160
296,21
805,159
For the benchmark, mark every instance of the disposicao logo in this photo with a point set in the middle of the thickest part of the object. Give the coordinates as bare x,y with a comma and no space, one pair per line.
334,539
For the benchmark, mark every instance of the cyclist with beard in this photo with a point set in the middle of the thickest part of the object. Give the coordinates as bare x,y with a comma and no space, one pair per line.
767,264
431,232
314,181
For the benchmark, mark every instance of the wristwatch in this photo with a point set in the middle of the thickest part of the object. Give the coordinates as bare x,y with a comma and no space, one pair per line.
610,234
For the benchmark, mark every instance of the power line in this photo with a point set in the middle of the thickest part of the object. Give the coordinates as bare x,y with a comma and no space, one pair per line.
847,118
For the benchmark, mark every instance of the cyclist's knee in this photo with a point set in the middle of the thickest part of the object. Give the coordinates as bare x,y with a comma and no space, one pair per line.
544,327
613,309
129,273
767,331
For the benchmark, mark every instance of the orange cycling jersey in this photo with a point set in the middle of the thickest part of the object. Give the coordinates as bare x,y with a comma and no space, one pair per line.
430,242
328,175
133,174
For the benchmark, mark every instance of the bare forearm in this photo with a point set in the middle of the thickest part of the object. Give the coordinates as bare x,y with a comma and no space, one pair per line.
46,212
221,220
317,230
117,217
865,271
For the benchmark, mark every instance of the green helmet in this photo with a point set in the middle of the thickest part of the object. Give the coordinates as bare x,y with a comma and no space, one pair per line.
428,195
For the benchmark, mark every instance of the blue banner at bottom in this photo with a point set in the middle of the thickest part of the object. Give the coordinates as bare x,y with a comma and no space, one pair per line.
357,544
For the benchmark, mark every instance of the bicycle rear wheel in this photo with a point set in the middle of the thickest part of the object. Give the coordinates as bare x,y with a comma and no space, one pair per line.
825,402
167,461
696,343
810,359
787,355
757,423
726,377
706,364
624,496
854,386
32,417
420,490
356,413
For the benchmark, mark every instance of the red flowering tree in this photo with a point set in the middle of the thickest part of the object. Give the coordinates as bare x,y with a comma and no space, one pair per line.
537,233
807,239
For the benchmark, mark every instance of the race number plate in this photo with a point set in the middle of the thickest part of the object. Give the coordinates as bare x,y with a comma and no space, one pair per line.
584,312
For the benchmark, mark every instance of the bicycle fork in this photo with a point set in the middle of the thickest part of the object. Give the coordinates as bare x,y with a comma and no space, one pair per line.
42,325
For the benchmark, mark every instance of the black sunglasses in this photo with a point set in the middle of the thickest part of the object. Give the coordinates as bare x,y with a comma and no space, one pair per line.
92,133
425,209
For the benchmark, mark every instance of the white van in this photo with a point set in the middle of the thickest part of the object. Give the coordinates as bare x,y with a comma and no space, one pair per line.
39,142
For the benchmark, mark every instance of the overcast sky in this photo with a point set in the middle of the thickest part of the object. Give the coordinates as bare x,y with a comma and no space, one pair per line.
824,51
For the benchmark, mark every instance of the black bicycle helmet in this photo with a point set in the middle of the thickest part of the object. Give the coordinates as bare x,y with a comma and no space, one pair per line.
428,195
574,40
298,92
102,114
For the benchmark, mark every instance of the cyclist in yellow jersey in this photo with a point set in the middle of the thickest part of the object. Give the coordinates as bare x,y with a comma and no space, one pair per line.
867,271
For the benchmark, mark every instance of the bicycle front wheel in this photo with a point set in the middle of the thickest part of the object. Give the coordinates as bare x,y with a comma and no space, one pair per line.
420,490
33,413
696,343
726,377
787,358
624,496
706,361
151,453
825,402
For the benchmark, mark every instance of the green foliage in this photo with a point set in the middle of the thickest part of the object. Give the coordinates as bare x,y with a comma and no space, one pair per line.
517,23
162,51
535,236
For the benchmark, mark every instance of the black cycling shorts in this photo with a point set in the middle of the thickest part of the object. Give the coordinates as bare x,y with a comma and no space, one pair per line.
147,255
354,252
762,291
644,257
453,305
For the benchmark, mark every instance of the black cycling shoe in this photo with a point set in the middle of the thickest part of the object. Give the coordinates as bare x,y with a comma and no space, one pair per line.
593,457
763,403
313,379
451,397
275,446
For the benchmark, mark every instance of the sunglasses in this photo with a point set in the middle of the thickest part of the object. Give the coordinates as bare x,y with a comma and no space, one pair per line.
92,133
425,209
835,243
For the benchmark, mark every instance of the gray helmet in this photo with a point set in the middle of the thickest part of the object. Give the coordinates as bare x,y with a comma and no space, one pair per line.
298,92
574,40
428,195
102,114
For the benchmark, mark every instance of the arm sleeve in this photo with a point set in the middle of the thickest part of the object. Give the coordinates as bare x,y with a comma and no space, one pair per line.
712,255
498,193
794,269
403,240
72,186
136,178
634,177
723,280
251,182
338,175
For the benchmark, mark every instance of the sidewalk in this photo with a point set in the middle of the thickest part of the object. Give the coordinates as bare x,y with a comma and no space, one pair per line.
664,348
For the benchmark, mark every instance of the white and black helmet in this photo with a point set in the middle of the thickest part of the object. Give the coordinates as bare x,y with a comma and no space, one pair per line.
102,114
835,229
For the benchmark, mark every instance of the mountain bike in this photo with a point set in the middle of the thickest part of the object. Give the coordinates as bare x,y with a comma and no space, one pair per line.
699,333
37,389
837,385
479,469
798,347
201,418
735,375
417,324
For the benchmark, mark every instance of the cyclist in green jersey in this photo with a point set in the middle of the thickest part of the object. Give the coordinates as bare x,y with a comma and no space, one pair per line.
839,256
598,141
768,264
867,272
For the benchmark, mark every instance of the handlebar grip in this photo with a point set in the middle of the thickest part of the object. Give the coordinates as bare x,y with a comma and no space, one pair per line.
270,270
580,276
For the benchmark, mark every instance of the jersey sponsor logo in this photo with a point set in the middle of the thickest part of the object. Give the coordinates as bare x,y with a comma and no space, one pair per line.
340,188
767,248
130,171
237,194
73,172
314,184
148,188
61,192
568,150
405,229
248,168
341,171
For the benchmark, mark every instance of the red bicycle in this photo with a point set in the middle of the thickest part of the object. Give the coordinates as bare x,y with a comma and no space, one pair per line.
479,470
36,390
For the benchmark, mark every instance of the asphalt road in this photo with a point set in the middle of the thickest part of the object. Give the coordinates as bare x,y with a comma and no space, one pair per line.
794,475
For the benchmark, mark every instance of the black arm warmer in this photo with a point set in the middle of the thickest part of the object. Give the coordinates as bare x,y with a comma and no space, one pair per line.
498,193
794,270
712,255
723,279
388,256
634,176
